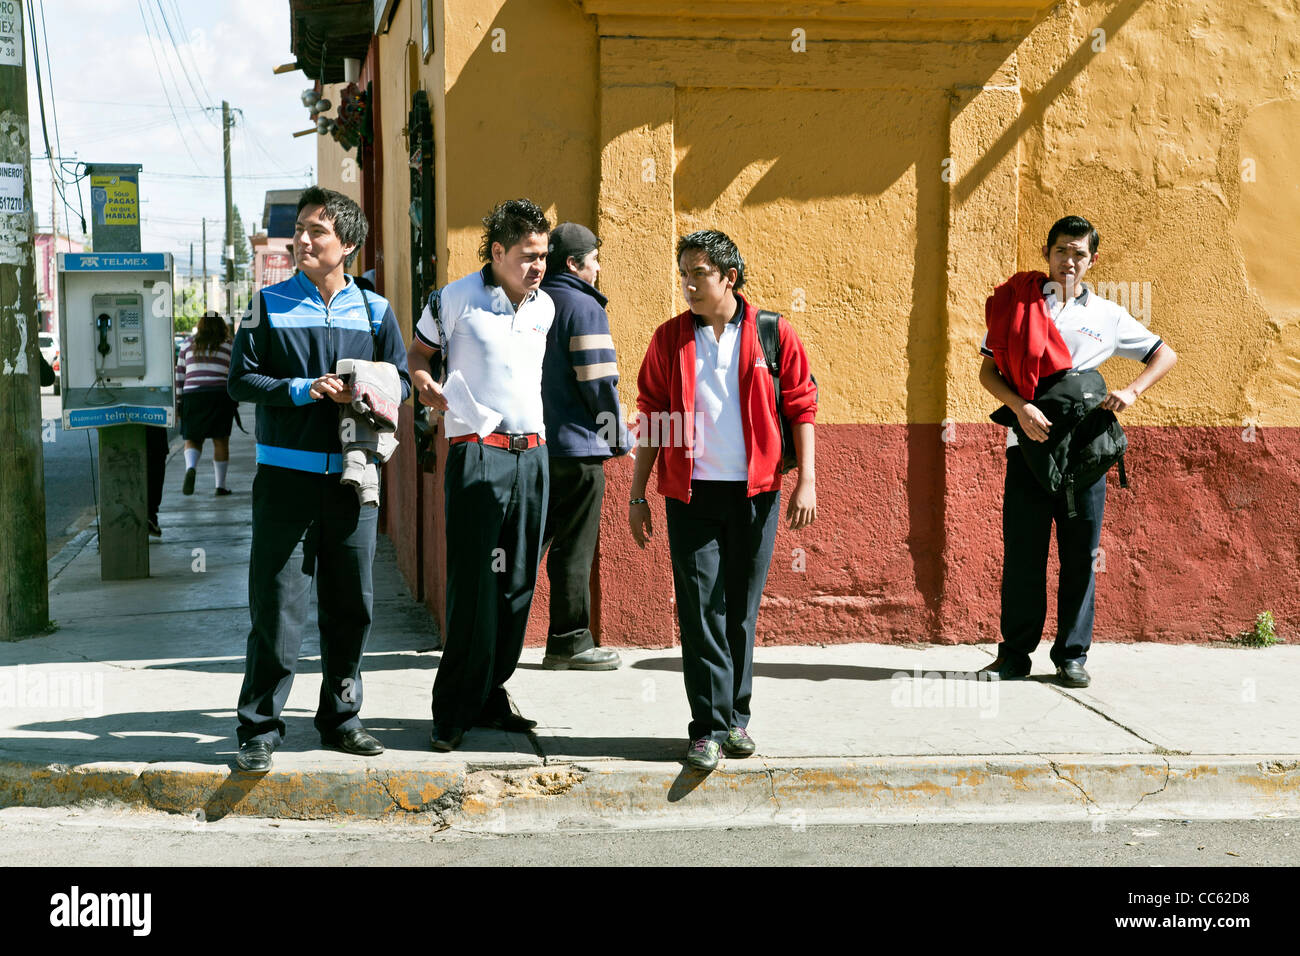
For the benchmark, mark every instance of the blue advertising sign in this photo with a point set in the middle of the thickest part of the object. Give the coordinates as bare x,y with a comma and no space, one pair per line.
114,415
114,261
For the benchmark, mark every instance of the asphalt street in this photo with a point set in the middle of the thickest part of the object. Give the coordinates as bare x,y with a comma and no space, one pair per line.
70,837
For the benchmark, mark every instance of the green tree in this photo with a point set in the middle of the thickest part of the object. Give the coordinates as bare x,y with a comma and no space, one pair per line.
188,308
243,251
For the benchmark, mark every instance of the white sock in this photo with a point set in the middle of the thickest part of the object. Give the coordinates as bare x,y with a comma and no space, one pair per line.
220,468
191,458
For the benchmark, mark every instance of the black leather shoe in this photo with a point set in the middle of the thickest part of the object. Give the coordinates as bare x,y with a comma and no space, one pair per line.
356,741
508,721
592,659
446,739
255,757
1072,674
1004,669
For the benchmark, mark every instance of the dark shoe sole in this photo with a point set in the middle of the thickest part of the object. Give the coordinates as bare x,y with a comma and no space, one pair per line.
446,744
1005,673
553,662
223,491
334,745
738,753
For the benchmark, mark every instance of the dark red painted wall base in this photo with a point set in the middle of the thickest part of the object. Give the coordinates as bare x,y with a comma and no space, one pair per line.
907,546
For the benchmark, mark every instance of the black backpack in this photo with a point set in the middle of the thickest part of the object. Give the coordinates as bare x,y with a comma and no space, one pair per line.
769,338
1084,442
426,423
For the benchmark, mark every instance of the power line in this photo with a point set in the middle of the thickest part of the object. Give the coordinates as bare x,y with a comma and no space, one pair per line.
302,174
153,106
257,142
55,181
163,82
180,19
176,50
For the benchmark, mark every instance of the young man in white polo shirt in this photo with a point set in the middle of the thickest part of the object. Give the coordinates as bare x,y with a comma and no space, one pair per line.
1092,329
491,329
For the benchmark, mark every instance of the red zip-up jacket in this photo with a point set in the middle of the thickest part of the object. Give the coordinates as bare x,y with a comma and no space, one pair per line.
666,384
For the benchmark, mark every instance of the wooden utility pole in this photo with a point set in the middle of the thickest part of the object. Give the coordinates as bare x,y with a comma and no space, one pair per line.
24,598
205,264
230,214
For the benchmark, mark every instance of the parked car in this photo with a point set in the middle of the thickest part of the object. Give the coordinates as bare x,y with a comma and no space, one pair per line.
49,344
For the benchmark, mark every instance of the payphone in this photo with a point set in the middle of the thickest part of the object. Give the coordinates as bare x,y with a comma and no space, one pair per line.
119,335
115,325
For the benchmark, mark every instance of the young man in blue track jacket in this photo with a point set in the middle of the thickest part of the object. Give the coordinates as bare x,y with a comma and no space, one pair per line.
305,523
584,425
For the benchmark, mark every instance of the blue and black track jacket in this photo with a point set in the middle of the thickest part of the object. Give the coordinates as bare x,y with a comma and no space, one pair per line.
289,340
580,374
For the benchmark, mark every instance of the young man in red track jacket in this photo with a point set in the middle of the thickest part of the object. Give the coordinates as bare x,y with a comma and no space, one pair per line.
707,413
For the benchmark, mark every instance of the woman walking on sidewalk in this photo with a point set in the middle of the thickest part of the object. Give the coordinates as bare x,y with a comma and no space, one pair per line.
207,410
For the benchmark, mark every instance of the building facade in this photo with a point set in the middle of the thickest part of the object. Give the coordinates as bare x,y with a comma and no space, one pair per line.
881,166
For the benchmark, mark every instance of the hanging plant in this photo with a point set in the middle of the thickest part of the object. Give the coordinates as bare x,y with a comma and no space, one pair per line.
352,128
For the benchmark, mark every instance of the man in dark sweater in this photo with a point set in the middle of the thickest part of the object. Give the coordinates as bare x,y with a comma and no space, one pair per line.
584,426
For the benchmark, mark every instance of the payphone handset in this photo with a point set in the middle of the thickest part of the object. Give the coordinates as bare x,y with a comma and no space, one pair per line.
119,331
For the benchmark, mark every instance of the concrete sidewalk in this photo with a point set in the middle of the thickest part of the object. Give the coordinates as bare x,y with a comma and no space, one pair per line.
131,703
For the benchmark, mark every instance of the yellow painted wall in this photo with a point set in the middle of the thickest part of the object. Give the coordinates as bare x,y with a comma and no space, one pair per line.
824,168
827,165
1146,137
519,117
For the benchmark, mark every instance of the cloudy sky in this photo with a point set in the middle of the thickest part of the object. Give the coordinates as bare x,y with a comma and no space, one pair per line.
124,92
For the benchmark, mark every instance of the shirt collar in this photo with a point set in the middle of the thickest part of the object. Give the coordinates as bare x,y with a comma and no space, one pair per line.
734,320
571,281
1081,298
490,283
310,288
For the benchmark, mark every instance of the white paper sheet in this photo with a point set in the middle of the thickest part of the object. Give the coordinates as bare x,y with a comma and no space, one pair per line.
463,412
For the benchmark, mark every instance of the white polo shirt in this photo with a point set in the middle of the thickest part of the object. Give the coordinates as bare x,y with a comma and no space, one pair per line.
1094,329
496,347
719,431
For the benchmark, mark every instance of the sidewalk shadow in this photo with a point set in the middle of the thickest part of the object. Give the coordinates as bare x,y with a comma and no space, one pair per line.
230,794
621,748
309,662
816,672
686,781
206,737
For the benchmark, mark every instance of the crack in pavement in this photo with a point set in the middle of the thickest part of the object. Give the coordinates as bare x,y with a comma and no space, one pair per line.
1163,785
1056,769
1104,716
453,796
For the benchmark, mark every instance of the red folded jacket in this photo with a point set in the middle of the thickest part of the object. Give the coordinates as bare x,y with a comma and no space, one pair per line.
1025,342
